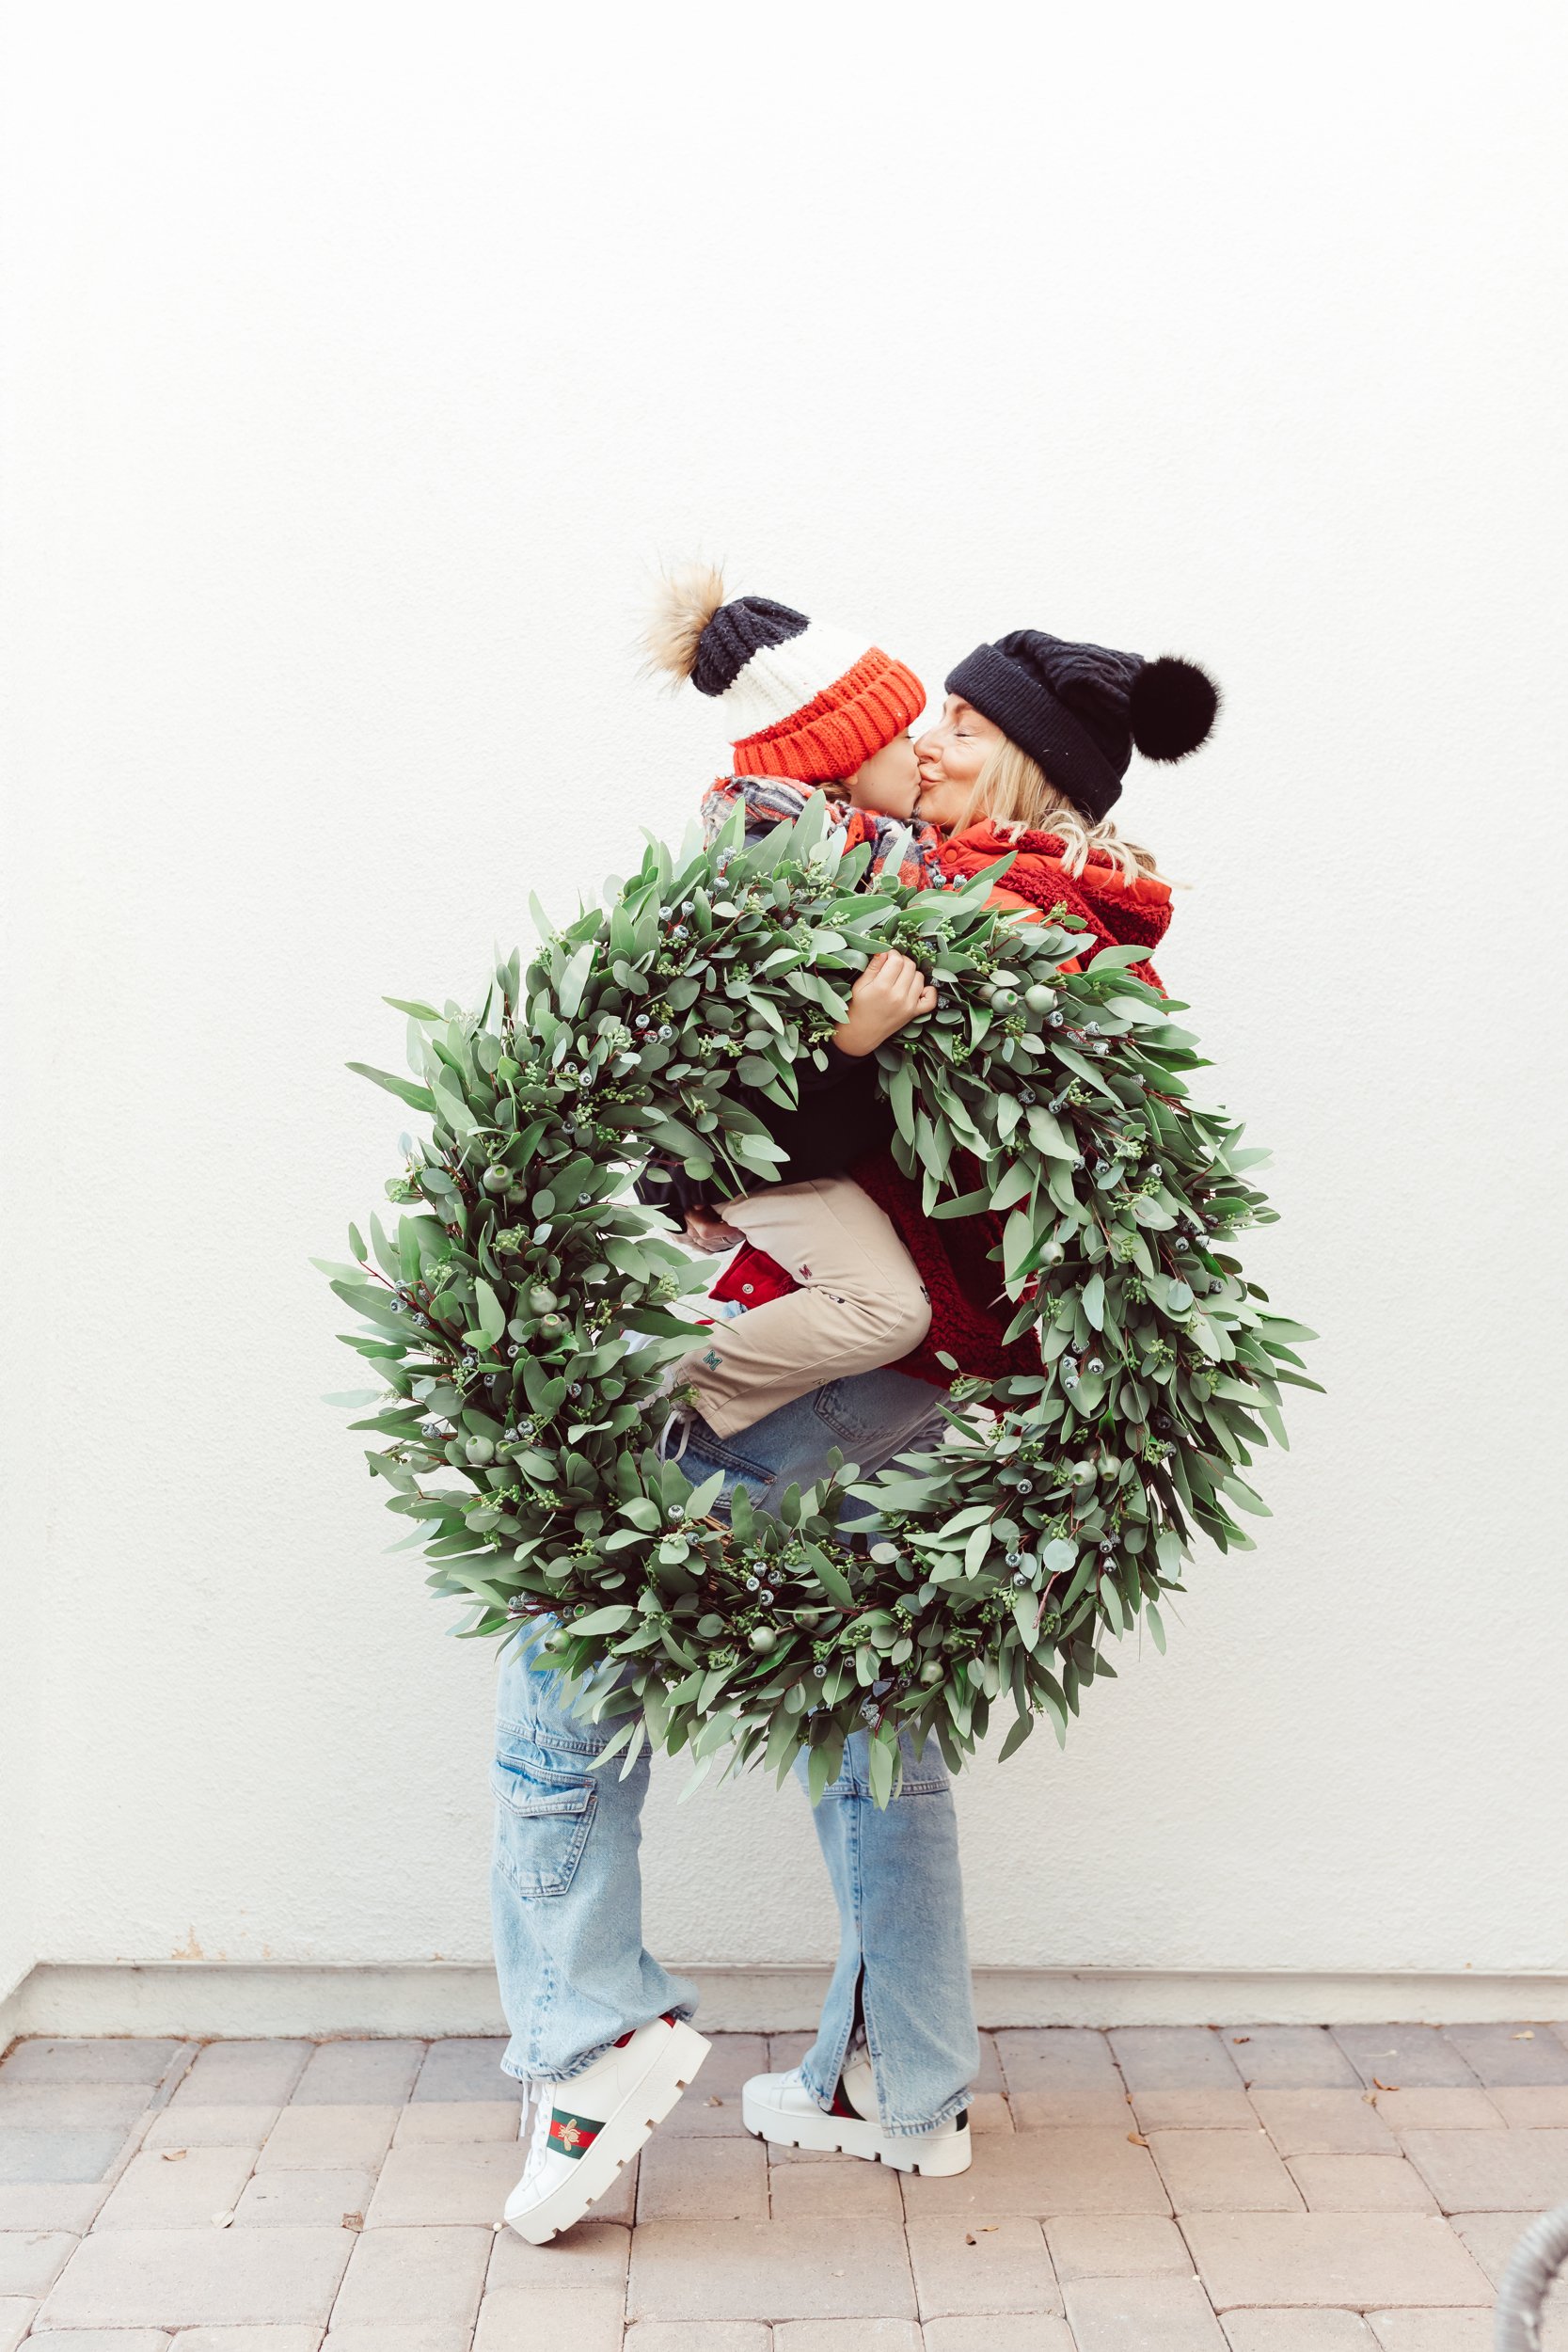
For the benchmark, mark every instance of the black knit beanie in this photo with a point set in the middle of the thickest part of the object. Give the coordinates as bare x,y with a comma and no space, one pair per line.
1081,710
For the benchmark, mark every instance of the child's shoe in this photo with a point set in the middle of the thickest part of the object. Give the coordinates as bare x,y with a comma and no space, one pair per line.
585,2130
779,2107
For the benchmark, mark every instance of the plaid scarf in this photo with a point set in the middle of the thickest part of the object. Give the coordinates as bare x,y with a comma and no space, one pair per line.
913,848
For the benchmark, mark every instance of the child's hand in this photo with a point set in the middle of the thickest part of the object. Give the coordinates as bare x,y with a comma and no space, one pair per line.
890,993
709,1232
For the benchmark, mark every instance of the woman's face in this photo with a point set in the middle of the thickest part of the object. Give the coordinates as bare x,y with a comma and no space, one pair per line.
888,781
951,755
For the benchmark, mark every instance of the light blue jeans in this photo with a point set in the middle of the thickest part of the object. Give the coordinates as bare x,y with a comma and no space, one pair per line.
566,1881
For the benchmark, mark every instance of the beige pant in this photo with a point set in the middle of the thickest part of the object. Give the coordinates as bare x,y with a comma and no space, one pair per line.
861,1303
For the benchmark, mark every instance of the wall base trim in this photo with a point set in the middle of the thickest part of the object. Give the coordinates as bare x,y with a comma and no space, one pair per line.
199,1998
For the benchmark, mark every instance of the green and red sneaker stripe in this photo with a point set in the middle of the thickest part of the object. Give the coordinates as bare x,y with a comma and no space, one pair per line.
573,2134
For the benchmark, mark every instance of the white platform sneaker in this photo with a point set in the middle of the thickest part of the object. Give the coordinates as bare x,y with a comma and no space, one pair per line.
781,2108
586,2130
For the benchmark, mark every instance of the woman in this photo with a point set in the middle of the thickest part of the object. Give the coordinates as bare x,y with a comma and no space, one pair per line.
1027,761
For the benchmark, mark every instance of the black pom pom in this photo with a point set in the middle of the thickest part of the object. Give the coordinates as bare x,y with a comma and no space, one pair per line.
1171,708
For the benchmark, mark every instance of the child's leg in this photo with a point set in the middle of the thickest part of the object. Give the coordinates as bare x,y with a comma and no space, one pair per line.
861,1304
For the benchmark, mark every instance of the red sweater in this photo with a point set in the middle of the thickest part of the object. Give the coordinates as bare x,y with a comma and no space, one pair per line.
969,1308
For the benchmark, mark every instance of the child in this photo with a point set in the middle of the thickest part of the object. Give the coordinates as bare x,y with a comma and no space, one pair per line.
807,706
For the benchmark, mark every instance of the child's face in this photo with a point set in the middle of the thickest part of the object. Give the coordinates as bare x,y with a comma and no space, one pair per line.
950,756
889,780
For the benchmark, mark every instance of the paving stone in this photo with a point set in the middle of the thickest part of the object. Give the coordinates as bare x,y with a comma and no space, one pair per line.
466,2065
244,2073
717,2335
1361,2184
618,2204
121,2340
1323,2124
1458,2111
1045,2172
408,2278
1223,2172
595,2254
847,2335
1297,2332
1410,2058
16,2317
40,2107
431,2120
359,2073
587,2318
466,2180
989,2111
114,2062
1433,2331
1056,2058
704,2113
198,2278
1470,2171
1532,2107
159,2192
703,2180
51,2206
416,2336
1005,2332
1115,2246
1492,2238
328,2139
61,2157
733,2058
1198,2110
712,2108
304,2200
1173,2057
200,2127
786,2051
1288,2057
1511,2054
770,2270
32,2260
1142,2315
990,2076
978,2265
849,2187
1067,2109
1351,2259
303,2338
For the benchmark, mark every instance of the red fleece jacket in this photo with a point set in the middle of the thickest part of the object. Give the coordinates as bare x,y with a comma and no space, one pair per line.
969,1311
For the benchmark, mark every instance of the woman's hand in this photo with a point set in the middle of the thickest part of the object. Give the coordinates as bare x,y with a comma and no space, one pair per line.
890,993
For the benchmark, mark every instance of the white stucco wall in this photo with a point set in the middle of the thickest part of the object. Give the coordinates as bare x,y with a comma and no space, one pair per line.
371,358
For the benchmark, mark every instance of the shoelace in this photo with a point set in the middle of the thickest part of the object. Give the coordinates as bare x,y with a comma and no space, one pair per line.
675,1436
539,2143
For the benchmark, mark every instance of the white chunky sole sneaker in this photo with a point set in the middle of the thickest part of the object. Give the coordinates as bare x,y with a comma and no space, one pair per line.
586,2130
779,2107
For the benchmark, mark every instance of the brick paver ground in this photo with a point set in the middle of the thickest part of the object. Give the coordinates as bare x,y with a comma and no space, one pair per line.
1260,2188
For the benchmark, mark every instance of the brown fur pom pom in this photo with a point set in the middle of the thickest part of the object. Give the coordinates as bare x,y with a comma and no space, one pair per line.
686,600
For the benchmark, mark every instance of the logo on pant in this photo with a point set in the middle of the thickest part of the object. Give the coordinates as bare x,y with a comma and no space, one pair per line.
713,1360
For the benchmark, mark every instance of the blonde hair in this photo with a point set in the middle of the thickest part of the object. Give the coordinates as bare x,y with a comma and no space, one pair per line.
1013,790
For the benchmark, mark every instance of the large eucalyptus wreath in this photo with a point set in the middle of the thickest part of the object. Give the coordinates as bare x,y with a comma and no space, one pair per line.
525,1305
